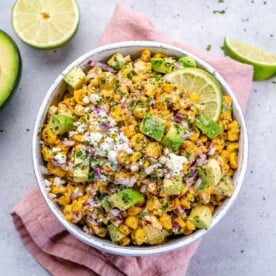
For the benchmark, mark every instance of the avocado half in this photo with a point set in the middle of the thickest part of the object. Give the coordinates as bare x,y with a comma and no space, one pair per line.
10,66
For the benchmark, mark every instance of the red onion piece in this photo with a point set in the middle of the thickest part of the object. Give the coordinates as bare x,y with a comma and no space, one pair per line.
101,65
175,225
115,212
104,126
180,210
187,135
68,143
57,164
211,151
92,221
77,192
97,171
178,117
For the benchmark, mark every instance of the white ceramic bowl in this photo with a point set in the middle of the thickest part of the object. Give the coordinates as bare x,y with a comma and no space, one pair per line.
56,91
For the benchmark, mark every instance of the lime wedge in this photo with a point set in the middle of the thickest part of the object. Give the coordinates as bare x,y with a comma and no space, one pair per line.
45,24
264,63
201,82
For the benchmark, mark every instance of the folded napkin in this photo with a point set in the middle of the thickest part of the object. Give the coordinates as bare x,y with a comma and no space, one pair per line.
59,252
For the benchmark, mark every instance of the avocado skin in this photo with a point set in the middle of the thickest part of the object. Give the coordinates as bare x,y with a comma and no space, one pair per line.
4,96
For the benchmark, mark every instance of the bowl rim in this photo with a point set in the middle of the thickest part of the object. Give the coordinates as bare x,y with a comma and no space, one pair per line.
102,244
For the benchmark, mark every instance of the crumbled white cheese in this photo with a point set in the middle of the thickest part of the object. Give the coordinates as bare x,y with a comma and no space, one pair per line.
71,133
58,181
47,183
92,138
94,98
55,150
86,100
175,163
154,221
134,167
60,158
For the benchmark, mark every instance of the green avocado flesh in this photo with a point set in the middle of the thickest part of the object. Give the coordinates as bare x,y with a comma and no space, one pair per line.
10,66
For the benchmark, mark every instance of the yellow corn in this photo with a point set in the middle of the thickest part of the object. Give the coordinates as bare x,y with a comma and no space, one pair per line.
180,221
166,221
153,203
49,136
153,149
138,141
77,137
145,55
167,87
125,241
78,96
232,147
46,153
185,203
195,136
132,222
135,156
227,99
190,225
55,170
134,211
124,229
233,160
139,236
122,157
139,112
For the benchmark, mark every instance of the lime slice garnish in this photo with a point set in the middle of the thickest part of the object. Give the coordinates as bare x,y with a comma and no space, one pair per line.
199,81
264,63
45,24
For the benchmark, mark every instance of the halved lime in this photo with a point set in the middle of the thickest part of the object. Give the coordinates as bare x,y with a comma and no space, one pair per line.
10,66
45,24
203,83
264,63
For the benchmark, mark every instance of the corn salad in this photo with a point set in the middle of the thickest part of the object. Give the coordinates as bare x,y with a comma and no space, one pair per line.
127,158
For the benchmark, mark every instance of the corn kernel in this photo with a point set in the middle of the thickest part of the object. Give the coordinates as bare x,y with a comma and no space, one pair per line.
132,222
233,160
166,221
190,225
134,211
180,221
124,229
139,236
145,55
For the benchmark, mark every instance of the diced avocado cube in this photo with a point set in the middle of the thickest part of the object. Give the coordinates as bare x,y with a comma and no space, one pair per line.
173,186
116,61
224,187
162,65
201,216
153,127
154,235
105,204
81,167
209,173
114,233
187,61
173,139
208,126
75,78
125,199
61,123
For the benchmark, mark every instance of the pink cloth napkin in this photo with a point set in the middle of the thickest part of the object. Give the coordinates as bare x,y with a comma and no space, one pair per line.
59,252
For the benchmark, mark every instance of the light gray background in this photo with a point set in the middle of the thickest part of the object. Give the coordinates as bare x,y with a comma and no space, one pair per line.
244,243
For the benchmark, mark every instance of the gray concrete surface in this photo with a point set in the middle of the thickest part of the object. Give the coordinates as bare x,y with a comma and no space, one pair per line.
244,243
